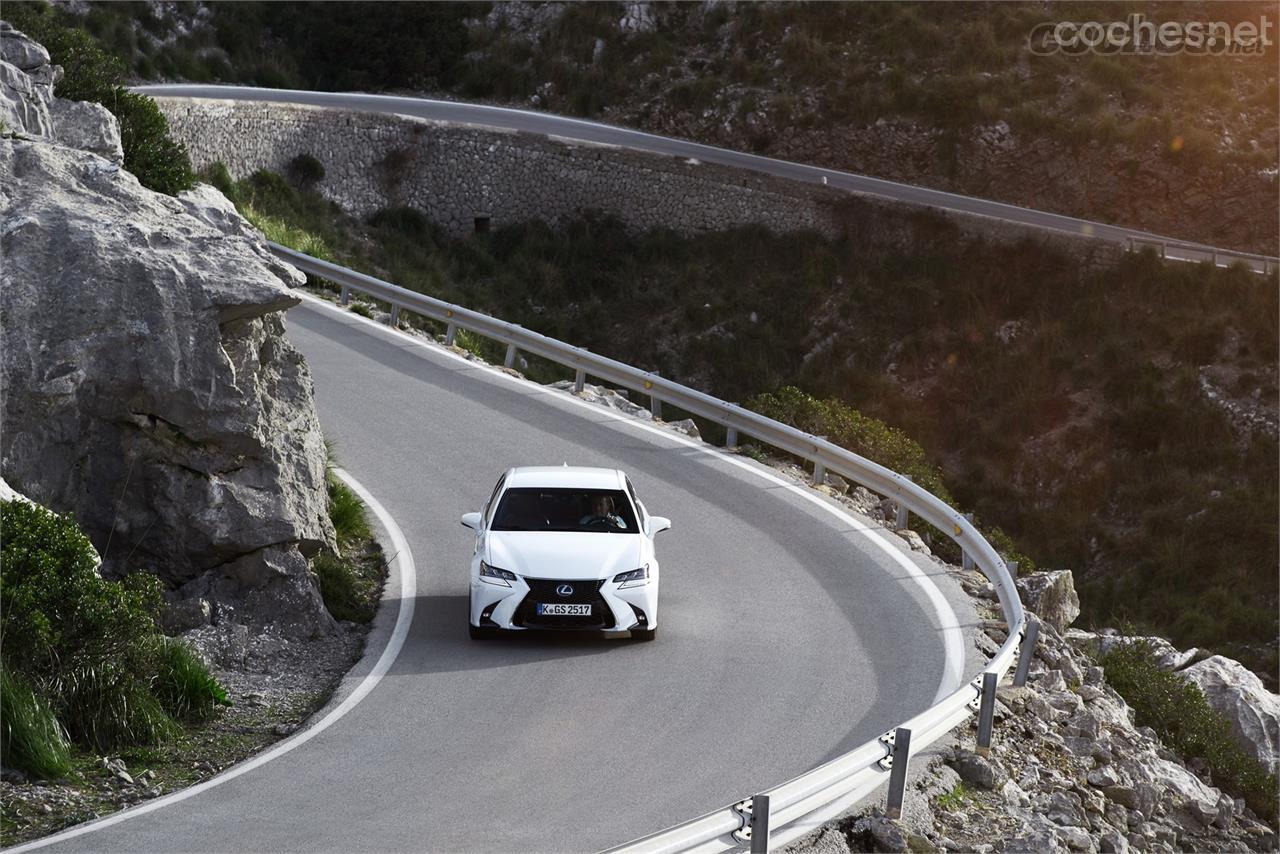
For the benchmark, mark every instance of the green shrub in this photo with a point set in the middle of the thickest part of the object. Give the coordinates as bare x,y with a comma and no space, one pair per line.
160,162
1178,711
88,646
31,739
849,428
217,174
183,684
405,220
306,170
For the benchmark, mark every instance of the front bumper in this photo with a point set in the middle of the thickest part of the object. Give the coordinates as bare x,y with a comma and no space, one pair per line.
613,609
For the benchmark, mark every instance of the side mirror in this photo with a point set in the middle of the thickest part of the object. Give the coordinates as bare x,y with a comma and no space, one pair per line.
658,524
471,520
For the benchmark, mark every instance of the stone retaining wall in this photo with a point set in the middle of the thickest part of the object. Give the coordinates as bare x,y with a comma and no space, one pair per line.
456,174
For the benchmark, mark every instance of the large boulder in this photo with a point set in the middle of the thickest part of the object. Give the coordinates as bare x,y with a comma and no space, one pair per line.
150,390
1052,595
1239,695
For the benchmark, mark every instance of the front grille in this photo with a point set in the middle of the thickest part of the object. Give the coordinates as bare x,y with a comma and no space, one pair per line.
584,593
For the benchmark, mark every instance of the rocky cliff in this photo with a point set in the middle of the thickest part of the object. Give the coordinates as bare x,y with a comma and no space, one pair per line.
148,385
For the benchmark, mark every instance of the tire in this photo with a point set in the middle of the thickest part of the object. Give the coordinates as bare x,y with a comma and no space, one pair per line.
478,633
643,635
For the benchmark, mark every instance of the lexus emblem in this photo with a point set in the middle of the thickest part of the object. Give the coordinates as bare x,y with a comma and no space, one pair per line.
564,590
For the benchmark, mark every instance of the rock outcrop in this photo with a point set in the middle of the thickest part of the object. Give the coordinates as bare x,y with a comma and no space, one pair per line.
1052,595
149,388
1240,697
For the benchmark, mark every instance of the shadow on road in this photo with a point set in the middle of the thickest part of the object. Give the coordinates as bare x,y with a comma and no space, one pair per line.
439,642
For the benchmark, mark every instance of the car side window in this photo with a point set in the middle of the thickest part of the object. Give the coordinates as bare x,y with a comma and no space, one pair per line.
631,490
493,499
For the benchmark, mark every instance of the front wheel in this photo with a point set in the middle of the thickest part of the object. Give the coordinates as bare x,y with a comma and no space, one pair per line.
644,634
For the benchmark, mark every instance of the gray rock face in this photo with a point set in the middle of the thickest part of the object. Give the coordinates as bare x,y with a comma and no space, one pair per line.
1052,595
91,127
24,98
151,391
1239,695
20,51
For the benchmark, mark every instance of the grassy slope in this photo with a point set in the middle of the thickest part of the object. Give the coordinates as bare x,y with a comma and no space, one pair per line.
1084,434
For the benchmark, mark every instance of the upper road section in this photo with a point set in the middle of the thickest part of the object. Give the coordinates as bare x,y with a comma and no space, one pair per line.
595,132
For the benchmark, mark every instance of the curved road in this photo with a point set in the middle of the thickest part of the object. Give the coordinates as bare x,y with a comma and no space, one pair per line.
587,131
782,638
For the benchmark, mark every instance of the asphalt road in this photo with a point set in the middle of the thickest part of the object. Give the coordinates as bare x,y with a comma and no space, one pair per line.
579,129
786,638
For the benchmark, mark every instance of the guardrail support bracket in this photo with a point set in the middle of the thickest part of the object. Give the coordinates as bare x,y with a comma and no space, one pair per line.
731,437
1028,651
986,713
898,773
395,316
579,381
754,815
450,334
819,473
902,516
511,356
344,296
655,406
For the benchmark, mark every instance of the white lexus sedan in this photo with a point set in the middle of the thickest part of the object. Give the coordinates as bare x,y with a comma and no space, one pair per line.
564,548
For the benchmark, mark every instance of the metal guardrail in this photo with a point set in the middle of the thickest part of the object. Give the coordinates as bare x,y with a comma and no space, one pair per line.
790,810
1177,250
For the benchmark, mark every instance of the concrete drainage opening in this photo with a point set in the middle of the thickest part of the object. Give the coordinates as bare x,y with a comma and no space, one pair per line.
482,223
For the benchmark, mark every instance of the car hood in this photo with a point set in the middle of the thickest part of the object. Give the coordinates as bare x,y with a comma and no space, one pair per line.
572,556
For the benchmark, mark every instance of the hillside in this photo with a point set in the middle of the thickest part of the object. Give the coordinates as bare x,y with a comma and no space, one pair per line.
1120,423
945,95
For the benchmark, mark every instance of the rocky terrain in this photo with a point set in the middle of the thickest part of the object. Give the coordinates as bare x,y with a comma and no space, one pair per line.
149,388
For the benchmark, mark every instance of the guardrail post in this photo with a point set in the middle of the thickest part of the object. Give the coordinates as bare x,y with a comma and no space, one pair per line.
898,773
731,437
1215,257
966,560
1129,242
819,473
1164,249
655,406
986,713
902,516
1028,651
511,356
579,381
344,296
395,316
450,334
760,824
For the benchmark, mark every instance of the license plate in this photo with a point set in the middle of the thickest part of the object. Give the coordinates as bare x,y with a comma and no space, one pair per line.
561,609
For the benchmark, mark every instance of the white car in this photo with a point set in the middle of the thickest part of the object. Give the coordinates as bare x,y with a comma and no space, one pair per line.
564,548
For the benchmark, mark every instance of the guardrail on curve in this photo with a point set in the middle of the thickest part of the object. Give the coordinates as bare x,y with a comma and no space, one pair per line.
789,810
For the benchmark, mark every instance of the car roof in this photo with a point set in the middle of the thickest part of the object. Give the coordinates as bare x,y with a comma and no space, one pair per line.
582,477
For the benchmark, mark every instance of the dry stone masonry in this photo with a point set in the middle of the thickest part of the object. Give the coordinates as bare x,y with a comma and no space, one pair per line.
462,176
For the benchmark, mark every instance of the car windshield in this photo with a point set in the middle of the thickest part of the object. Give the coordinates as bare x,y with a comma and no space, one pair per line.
528,508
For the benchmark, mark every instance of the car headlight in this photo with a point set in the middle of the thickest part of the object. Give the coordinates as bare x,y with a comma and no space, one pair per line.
634,578
493,575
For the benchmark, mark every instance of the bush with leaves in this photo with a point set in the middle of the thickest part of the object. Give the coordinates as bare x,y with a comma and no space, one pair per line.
89,648
1179,713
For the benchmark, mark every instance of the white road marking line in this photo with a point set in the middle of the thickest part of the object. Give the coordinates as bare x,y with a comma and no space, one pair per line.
948,622
404,567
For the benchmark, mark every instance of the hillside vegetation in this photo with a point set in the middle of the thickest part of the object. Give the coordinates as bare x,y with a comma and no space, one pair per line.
1120,423
943,94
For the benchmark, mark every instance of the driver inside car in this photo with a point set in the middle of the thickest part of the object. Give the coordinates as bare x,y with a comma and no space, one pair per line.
602,509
